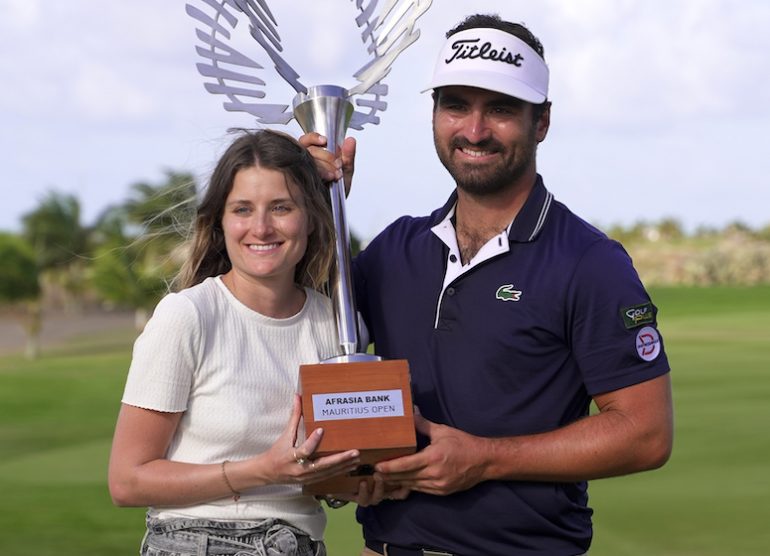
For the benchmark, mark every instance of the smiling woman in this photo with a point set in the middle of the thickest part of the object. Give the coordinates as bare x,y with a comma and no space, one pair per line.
257,170
207,433
266,233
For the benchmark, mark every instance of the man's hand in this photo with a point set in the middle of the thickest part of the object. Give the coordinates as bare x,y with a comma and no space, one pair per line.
632,432
454,461
371,493
332,166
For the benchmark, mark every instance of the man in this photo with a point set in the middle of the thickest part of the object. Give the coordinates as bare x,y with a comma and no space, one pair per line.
514,315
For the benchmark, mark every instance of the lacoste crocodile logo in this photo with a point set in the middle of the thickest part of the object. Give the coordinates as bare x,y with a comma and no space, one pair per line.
507,293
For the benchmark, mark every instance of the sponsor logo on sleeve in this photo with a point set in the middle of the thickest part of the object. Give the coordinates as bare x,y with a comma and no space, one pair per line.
648,343
638,315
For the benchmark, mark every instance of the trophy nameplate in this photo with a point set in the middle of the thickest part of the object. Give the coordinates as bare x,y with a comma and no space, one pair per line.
362,405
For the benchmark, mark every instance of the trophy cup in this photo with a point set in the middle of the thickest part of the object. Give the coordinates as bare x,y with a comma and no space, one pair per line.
360,400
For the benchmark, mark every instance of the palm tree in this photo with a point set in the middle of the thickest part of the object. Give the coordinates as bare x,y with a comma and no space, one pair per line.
164,211
59,244
141,243
123,277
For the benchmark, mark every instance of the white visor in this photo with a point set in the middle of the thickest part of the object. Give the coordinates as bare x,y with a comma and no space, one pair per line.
494,60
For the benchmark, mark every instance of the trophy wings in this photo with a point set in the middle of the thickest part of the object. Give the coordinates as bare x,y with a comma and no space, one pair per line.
386,33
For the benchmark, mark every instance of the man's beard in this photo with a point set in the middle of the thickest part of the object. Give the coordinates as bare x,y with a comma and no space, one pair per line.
488,180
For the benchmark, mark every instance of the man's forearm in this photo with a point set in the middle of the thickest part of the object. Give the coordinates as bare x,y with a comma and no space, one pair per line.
631,433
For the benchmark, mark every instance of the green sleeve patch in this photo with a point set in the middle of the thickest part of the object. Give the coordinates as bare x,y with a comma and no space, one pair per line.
638,315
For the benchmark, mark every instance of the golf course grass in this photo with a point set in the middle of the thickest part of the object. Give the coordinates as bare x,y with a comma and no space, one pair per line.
713,498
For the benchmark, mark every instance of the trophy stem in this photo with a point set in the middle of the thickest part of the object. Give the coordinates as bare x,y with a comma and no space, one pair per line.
325,109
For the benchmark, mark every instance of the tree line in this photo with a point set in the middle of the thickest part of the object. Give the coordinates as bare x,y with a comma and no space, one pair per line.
127,258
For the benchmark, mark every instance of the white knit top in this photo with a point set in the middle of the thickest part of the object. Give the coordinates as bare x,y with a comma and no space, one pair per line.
233,372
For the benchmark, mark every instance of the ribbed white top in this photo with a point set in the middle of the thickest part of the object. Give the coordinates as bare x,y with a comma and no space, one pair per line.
233,372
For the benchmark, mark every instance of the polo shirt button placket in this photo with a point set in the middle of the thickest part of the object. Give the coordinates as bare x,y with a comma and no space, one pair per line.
450,291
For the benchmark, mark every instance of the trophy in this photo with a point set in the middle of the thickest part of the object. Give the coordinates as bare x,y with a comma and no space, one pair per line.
360,400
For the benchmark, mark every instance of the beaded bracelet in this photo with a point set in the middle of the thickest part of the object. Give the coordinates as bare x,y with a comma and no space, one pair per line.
236,494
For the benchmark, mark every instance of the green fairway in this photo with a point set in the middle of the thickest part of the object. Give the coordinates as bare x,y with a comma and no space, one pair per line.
56,421
713,498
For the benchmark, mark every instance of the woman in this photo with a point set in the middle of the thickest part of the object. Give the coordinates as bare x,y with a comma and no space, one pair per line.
207,428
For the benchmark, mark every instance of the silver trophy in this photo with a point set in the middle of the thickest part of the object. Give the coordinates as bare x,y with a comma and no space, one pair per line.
361,401
326,109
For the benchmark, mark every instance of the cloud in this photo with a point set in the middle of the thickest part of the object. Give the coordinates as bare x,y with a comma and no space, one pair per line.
644,63
19,14
101,94
633,83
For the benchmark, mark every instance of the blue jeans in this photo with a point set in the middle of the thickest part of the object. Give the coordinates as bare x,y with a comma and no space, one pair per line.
204,537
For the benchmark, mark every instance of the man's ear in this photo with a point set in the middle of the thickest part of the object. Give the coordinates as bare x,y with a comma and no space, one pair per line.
543,123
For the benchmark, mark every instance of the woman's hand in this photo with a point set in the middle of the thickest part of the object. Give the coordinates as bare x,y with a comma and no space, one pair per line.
140,474
284,463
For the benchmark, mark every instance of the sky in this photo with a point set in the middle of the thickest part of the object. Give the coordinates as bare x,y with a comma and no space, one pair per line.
661,108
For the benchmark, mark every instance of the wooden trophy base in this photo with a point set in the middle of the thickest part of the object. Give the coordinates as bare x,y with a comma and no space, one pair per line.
363,405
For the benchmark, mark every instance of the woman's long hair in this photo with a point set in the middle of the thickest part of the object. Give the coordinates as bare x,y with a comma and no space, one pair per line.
270,150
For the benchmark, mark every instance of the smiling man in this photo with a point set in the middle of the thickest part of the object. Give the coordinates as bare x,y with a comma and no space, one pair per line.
514,316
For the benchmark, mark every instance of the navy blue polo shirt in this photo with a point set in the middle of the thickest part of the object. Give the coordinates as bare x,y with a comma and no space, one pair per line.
549,313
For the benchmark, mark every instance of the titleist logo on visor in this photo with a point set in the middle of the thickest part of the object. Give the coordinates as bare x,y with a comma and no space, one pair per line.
469,49
494,60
